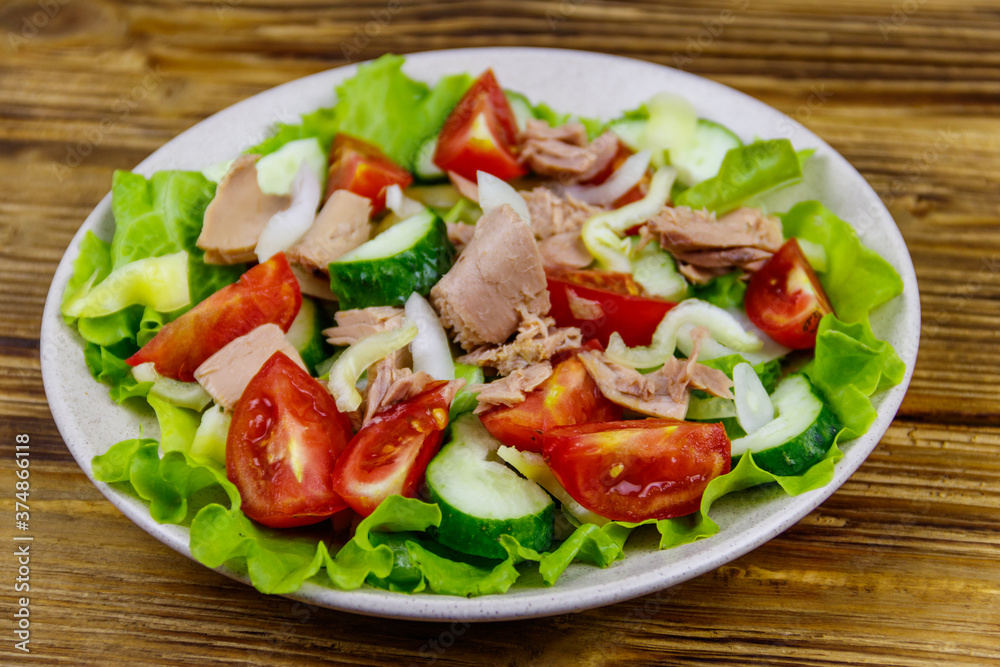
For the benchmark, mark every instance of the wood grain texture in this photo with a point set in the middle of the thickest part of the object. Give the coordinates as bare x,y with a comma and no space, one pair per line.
899,567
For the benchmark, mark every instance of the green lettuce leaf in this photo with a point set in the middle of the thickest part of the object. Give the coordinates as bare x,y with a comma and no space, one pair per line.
746,474
726,291
108,367
92,265
161,216
594,126
155,217
178,426
380,104
167,484
850,365
857,279
746,171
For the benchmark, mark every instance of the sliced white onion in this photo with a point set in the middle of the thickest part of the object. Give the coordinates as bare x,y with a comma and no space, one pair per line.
430,349
722,326
754,409
355,359
624,179
285,228
400,204
602,233
713,349
494,192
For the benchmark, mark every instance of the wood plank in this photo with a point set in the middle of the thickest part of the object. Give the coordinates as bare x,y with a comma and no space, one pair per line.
896,568
893,562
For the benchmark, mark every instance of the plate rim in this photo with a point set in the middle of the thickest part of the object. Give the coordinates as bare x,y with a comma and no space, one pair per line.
551,601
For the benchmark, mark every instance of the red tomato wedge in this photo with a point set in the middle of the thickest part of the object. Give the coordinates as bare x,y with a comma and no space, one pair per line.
285,437
569,396
364,169
638,470
626,309
267,293
786,300
480,134
389,455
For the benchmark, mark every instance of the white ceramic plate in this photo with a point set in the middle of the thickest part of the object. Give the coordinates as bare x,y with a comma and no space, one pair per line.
589,84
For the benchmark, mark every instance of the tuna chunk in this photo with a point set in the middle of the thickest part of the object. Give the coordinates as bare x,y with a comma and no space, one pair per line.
552,215
237,215
227,373
564,153
538,339
496,281
341,226
511,390
565,251
353,325
705,247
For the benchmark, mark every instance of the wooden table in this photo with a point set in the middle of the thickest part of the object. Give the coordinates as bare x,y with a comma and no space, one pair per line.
899,567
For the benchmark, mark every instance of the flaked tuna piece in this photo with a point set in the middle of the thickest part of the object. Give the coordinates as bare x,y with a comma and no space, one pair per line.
354,325
227,373
393,385
497,277
538,339
565,250
683,229
552,214
723,258
583,309
341,226
700,275
465,187
510,390
389,384
630,388
706,247
564,153
664,393
237,215
460,234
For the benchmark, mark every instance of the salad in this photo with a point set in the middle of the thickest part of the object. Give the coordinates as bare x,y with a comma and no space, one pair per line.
434,336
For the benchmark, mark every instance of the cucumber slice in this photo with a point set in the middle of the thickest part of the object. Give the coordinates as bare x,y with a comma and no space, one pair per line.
424,167
481,498
799,436
701,161
409,257
630,131
306,334
655,269
521,107
275,172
